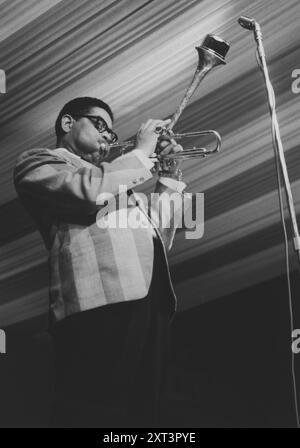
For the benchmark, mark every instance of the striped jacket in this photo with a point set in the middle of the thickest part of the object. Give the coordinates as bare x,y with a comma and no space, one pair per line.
91,265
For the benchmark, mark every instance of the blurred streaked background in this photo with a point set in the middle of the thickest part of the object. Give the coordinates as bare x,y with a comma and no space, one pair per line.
231,362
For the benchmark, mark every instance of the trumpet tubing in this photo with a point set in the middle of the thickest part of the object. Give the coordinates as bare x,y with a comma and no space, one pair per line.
194,151
211,54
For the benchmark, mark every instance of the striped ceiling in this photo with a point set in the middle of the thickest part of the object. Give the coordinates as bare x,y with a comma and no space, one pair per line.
139,56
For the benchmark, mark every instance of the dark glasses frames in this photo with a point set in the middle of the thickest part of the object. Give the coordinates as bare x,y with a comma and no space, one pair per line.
100,125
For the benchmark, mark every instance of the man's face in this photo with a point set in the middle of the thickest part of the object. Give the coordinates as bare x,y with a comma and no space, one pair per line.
90,144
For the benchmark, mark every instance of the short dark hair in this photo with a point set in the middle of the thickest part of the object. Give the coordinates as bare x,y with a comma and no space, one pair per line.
79,106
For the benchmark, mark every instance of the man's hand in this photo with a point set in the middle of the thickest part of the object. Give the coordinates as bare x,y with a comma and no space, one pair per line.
169,146
147,136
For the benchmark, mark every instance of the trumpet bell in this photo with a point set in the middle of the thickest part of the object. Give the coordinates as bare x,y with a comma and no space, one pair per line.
211,54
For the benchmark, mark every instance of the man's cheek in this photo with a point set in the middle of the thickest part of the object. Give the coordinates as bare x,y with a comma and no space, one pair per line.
89,143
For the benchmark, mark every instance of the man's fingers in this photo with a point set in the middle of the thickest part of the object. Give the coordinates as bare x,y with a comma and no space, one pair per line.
163,143
166,149
169,148
154,123
177,148
166,122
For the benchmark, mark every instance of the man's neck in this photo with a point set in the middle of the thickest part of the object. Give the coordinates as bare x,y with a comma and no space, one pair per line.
68,147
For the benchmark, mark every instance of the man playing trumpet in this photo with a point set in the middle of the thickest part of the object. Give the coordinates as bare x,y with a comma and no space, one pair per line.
111,297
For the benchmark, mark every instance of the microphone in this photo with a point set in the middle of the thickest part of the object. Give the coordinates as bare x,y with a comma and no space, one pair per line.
247,22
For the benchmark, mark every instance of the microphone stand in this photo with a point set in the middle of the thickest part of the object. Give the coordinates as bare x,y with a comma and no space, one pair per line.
251,24
277,143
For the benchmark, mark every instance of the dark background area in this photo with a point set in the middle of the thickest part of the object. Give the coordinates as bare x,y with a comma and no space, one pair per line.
230,364
234,355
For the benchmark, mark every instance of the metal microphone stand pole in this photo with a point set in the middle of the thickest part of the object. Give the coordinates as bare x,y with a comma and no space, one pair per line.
251,24
277,143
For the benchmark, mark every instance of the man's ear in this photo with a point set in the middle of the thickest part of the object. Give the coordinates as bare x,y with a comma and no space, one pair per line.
66,123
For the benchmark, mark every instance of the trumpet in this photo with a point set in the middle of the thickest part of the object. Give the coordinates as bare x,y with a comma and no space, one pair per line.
188,152
211,54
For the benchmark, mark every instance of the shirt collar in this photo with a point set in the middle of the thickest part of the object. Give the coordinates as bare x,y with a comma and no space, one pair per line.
69,152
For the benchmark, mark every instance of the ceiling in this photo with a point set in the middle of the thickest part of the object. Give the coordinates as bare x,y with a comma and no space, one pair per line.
139,56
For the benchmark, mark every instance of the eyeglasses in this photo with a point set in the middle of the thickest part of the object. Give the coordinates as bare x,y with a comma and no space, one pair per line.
100,125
